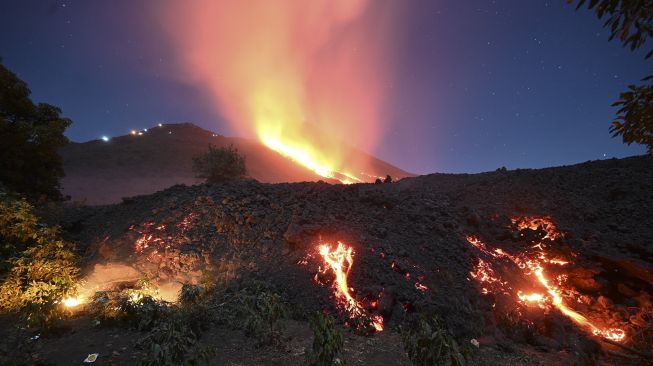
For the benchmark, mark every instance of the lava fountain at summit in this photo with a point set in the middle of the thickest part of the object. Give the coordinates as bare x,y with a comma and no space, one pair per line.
539,286
307,78
340,262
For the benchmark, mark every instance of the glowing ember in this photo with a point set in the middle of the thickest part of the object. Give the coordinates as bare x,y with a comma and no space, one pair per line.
71,302
340,262
533,263
421,287
157,237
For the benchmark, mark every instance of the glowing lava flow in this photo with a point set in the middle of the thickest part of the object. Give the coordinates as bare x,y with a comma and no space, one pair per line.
305,157
340,261
532,264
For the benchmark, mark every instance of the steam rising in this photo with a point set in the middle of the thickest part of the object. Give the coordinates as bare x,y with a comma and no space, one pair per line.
278,69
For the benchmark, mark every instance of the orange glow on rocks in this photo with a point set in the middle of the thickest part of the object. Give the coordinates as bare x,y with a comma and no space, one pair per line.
532,284
301,76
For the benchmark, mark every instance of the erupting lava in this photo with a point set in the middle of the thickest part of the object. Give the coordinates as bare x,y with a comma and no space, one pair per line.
340,262
533,264
308,157
278,70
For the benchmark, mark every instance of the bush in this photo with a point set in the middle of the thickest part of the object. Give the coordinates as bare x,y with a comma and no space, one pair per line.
19,229
255,308
173,330
173,343
262,313
427,343
327,341
191,294
220,164
39,270
135,307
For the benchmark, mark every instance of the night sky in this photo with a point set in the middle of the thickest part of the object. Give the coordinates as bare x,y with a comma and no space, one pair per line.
476,85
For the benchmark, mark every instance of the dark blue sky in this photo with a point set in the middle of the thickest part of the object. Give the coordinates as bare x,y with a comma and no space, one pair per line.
476,84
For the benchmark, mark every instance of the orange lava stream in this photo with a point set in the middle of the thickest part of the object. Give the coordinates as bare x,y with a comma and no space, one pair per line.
485,274
341,261
611,334
309,158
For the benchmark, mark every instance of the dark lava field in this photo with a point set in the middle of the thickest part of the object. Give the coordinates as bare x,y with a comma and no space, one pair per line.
521,266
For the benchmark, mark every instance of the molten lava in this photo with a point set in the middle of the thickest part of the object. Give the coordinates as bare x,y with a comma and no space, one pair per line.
309,157
534,265
340,262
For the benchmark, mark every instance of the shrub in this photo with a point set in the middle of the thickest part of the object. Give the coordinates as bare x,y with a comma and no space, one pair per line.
255,308
191,294
19,229
173,343
220,164
327,341
135,307
39,271
173,330
427,343
262,313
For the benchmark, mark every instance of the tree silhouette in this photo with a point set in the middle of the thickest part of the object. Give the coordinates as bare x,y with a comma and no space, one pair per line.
30,135
220,164
630,21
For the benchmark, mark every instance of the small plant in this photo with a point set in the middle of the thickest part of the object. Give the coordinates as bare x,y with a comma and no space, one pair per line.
427,343
256,308
172,342
262,314
131,306
191,294
327,341
220,164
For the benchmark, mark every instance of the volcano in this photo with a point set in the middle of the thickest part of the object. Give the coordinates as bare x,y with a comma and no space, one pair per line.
103,172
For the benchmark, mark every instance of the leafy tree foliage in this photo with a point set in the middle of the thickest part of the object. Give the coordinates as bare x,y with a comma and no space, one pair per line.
220,164
630,21
38,270
30,135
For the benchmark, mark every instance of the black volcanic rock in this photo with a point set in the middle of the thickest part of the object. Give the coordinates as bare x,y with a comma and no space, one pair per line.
402,233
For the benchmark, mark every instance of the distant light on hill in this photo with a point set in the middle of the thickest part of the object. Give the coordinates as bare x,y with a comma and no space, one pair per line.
105,138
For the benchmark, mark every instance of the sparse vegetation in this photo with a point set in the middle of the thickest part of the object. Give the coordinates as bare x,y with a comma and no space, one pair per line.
130,306
220,164
173,342
262,312
38,269
173,330
428,343
327,341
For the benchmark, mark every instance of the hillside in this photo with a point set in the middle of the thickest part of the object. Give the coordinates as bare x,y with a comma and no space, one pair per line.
488,253
102,172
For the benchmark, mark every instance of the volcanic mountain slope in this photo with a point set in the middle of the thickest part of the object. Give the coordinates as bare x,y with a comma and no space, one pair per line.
103,172
466,247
